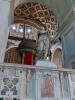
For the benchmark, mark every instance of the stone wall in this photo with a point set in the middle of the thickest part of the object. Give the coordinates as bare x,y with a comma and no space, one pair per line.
68,43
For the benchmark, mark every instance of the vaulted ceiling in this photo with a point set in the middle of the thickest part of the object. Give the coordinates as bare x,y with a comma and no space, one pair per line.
61,8
36,12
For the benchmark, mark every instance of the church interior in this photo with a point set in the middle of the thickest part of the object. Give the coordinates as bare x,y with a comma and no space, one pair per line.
37,50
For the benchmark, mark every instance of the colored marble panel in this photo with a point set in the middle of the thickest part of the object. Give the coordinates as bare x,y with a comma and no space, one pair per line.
47,87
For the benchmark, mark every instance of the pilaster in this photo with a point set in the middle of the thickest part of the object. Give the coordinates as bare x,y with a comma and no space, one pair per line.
4,26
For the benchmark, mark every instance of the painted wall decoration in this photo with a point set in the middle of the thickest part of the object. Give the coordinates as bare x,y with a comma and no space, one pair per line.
47,87
8,83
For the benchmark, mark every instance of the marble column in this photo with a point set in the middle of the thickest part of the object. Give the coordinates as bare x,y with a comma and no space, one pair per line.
5,7
23,84
57,85
28,82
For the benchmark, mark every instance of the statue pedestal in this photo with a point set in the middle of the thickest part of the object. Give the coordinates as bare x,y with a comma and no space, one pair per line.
47,81
45,64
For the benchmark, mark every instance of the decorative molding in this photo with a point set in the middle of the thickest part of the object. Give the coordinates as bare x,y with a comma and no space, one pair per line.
34,23
13,46
67,23
67,31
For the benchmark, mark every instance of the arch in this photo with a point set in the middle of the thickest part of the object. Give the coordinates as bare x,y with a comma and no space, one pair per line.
31,22
57,57
54,48
56,6
57,54
35,13
13,46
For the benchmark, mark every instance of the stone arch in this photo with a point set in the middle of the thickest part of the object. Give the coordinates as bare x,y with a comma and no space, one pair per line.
36,13
11,47
57,54
38,25
57,57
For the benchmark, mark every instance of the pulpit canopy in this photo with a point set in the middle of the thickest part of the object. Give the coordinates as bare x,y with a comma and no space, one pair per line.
27,45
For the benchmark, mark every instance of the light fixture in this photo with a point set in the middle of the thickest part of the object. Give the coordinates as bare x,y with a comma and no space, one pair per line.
29,30
13,27
47,58
21,30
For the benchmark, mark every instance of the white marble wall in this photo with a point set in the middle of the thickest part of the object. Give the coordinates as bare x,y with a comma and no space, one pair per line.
4,29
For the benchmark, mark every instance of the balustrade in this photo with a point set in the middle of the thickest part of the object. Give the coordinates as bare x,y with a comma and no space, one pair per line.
26,82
